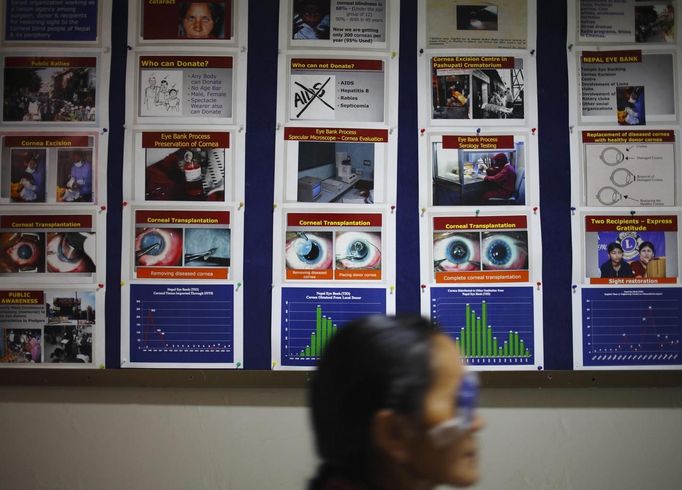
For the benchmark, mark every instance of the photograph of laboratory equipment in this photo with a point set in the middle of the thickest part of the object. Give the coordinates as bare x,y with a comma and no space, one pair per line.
185,174
477,177
335,172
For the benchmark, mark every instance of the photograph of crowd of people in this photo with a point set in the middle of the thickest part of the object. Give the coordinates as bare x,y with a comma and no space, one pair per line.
478,94
70,321
184,174
478,177
655,23
311,19
21,345
49,94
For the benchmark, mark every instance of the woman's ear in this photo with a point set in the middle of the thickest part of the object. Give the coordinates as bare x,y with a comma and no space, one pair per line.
392,434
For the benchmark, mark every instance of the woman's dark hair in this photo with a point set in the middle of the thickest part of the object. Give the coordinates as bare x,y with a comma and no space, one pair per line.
216,10
645,244
371,364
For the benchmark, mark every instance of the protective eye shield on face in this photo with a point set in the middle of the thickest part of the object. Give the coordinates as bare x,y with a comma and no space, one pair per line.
467,402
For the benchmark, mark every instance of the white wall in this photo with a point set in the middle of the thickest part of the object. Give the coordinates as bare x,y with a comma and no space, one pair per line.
149,438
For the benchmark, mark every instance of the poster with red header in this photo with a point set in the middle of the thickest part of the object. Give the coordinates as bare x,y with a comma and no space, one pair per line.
181,244
489,249
335,165
189,166
51,247
62,90
48,168
333,247
631,250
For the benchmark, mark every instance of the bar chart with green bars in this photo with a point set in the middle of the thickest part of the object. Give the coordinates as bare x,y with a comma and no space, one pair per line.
324,329
491,326
311,317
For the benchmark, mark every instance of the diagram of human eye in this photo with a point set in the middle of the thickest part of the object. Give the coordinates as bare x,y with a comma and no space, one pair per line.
66,253
505,251
358,250
158,246
23,252
456,252
308,250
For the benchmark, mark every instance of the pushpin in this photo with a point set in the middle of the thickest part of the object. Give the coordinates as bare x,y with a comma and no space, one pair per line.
392,208
422,131
532,52
423,286
478,131
535,210
423,212
125,203
279,126
540,368
274,205
421,50
570,129
573,210
274,363
390,289
632,213
104,130
130,48
393,54
538,284
100,286
102,208
241,128
124,362
239,284
477,211
101,366
241,205
570,47
123,283
575,288
239,364
532,131
243,49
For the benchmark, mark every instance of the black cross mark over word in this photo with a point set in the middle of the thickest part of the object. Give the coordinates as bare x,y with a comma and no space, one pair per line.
315,95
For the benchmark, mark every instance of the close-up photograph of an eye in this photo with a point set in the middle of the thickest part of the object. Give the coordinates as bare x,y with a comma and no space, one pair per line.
22,252
504,251
358,250
158,247
70,252
456,252
309,250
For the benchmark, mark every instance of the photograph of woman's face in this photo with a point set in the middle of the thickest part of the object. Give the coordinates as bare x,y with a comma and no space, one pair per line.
198,22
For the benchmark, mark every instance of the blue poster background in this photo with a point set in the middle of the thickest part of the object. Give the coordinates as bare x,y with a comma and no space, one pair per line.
53,20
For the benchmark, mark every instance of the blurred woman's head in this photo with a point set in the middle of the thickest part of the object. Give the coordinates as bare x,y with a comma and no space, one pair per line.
385,406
